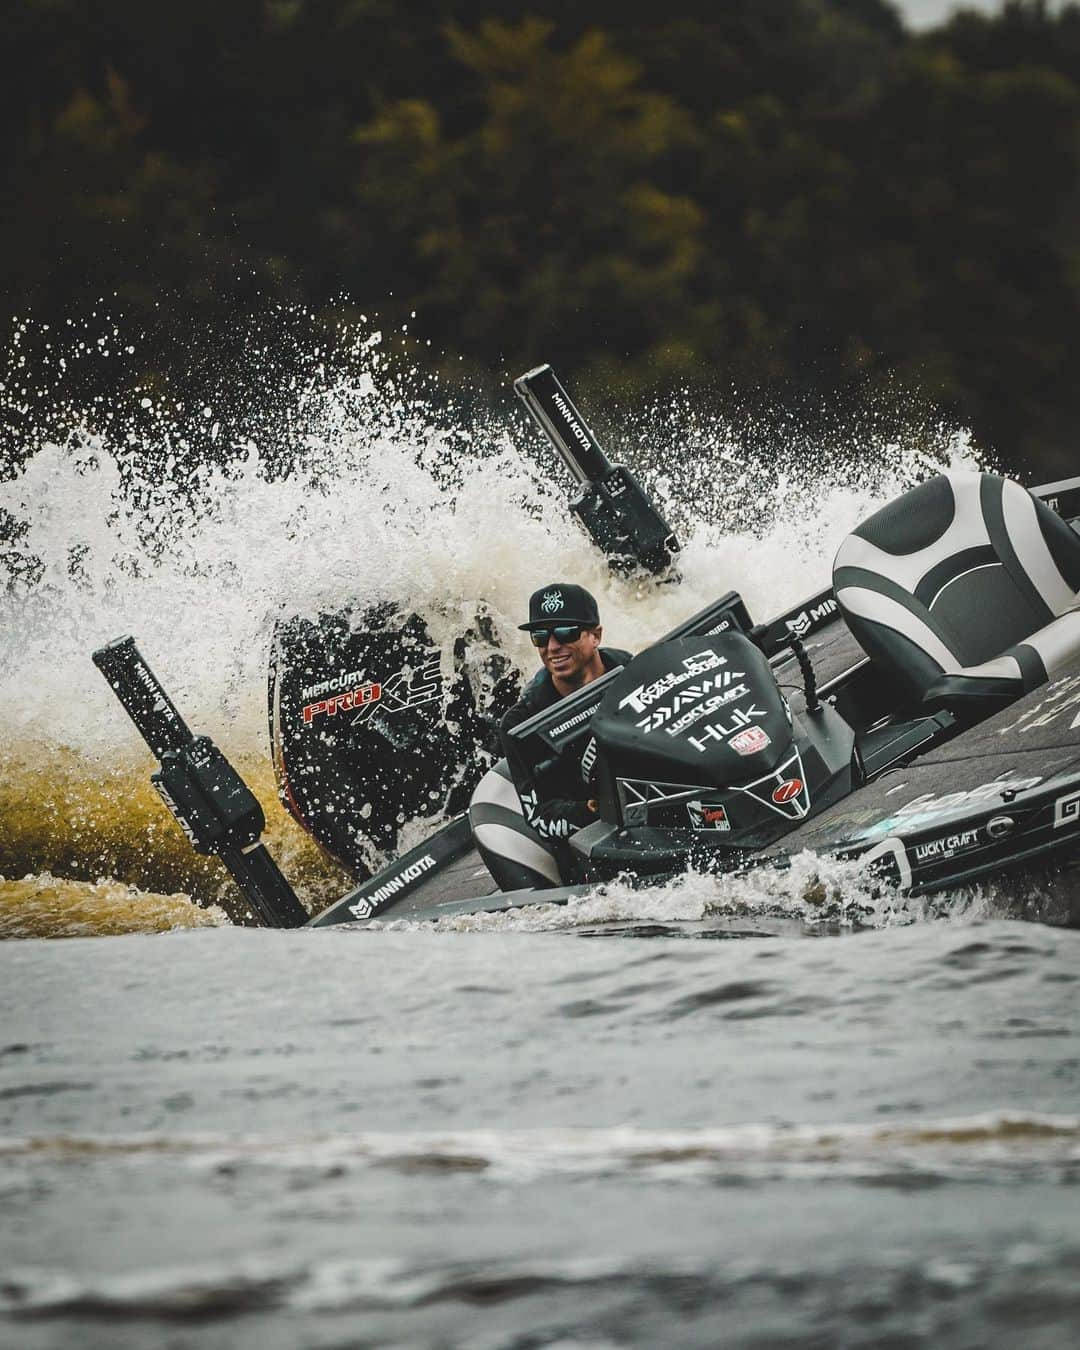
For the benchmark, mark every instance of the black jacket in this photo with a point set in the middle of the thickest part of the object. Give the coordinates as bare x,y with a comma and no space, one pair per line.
554,801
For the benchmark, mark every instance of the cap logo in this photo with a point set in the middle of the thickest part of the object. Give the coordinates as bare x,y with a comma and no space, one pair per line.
551,602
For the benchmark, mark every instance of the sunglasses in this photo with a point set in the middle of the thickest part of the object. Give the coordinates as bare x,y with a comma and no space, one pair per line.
564,633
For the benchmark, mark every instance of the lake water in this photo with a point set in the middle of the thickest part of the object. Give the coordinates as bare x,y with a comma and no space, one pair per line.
718,1113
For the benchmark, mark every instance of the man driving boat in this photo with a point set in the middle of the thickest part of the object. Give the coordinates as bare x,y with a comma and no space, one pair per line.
564,626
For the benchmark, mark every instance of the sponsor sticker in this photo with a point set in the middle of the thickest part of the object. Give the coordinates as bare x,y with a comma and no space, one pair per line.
750,741
784,793
1067,810
640,698
343,702
365,905
713,816
810,618
947,846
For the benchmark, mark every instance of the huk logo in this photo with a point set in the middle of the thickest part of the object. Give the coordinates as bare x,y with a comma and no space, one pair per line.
551,602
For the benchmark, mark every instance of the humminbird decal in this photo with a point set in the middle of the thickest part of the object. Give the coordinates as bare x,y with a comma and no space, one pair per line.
810,618
928,803
640,698
366,905
574,721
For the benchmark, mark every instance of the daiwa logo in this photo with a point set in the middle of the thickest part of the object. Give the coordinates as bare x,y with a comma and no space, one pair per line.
692,693
551,602
578,431
366,905
640,698
810,618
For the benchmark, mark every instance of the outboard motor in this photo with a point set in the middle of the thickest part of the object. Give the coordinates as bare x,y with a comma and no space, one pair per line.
698,752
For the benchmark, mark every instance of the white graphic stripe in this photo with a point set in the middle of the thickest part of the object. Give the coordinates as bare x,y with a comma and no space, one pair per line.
509,843
890,613
1022,525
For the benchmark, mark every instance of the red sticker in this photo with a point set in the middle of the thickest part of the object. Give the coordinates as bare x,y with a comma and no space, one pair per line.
750,741
786,791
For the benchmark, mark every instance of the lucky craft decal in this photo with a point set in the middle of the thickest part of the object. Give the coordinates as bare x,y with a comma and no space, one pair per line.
945,847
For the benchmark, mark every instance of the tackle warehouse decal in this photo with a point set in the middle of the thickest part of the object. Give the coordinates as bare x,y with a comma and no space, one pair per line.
723,682
643,696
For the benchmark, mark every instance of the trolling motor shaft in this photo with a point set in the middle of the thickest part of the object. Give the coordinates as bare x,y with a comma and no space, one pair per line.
610,503
210,801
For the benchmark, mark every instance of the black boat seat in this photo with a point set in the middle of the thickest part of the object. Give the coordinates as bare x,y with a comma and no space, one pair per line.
513,852
967,587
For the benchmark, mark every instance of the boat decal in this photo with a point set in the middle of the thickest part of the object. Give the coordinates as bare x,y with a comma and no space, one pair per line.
700,664
366,905
1060,697
946,846
749,742
811,618
1067,809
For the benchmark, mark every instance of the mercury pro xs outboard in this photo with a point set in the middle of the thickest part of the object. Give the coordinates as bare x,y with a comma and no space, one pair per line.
922,715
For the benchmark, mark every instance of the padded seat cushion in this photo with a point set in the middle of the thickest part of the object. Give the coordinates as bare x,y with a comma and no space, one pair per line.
964,586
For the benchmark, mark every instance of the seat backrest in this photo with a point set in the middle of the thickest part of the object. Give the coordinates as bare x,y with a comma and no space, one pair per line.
953,573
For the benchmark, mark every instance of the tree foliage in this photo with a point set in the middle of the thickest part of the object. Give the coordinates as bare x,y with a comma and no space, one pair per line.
787,194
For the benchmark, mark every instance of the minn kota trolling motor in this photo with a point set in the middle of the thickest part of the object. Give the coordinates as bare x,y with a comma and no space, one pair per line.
211,802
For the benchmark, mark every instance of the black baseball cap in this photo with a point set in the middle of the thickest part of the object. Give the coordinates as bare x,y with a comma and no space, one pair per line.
561,602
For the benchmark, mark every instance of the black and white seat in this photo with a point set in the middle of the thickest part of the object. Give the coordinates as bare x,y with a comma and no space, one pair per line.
967,587
514,853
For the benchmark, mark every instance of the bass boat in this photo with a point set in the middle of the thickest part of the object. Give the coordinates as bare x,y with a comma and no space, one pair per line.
921,717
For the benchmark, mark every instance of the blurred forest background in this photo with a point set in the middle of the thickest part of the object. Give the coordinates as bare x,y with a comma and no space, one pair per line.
795,199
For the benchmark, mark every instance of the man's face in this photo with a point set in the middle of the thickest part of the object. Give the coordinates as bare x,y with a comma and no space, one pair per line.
567,660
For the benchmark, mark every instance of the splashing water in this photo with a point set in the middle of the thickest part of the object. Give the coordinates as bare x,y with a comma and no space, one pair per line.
194,528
